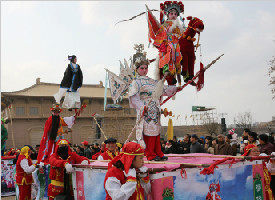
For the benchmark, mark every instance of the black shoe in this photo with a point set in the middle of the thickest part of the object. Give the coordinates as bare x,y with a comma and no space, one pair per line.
183,73
157,158
174,81
164,158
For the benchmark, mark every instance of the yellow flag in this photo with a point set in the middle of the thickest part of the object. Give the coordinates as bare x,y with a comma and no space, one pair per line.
170,131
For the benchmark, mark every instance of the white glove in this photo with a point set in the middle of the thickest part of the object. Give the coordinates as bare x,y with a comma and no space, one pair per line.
143,169
132,172
262,154
84,162
69,168
143,172
41,164
272,154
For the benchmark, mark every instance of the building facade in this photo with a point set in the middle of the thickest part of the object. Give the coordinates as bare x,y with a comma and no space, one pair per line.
29,109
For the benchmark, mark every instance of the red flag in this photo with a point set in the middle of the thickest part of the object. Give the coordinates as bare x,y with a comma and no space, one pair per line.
200,82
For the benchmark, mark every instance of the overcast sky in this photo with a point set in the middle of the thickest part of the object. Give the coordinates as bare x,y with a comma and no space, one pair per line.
37,37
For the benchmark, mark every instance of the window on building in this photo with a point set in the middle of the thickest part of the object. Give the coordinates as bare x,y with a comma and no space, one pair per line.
34,111
20,111
98,132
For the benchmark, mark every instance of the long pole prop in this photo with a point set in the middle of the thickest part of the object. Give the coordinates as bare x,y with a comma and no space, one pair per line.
11,128
190,81
140,118
93,115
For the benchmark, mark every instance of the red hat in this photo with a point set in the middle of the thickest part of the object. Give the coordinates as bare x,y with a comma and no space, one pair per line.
85,143
129,151
248,148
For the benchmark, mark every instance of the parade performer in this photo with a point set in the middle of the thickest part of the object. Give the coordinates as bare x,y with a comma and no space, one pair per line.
71,83
111,151
187,49
11,152
24,169
62,158
251,150
167,41
140,98
53,131
122,181
4,137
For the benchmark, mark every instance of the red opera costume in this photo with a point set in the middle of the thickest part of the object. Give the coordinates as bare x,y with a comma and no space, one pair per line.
51,135
122,184
24,169
57,169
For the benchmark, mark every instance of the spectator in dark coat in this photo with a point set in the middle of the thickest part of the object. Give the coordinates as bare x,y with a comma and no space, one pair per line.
196,147
87,150
265,146
271,138
79,151
223,148
184,146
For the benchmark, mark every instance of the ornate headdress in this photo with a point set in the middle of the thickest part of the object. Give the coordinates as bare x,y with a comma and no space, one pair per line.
139,58
56,108
168,5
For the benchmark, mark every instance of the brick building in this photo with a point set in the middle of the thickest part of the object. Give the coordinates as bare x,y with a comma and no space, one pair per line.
30,109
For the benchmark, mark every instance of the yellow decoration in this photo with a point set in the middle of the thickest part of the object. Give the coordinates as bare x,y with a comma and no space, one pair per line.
63,142
188,38
193,39
170,131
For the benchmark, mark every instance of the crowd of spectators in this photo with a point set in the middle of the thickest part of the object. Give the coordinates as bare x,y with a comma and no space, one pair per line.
220,145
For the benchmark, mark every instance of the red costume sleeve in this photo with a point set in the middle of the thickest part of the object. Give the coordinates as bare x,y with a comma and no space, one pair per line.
78,159
55,162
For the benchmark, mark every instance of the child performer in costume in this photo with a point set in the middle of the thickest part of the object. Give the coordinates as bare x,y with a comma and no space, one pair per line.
70,83
53,131
167,41
121,181
62,158
140,98
24,169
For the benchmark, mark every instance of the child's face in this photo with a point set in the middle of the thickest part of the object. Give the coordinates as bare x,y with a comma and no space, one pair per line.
172,15
138,162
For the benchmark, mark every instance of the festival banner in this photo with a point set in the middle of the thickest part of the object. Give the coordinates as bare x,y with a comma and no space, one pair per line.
7,178
88,184
243,180
226,183
41,182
